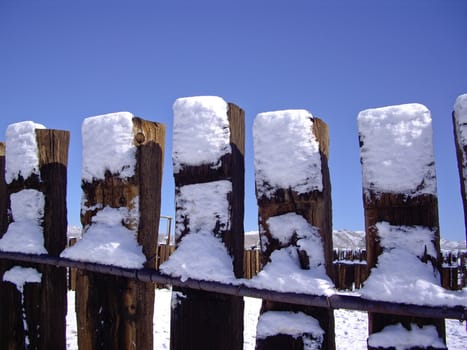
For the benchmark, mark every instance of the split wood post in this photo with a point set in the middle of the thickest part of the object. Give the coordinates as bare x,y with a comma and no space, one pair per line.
391,155
115,312
313,205
459,121
209,320
44,304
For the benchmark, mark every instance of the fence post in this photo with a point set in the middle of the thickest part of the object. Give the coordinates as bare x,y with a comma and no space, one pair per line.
459,121
399,189
307,197
42,305
208,320
3,192
9,317
115,312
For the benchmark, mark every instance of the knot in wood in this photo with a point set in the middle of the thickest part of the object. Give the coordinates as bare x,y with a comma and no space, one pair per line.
140,138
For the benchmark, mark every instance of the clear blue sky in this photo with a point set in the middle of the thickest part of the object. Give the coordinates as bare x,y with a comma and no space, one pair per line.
62,61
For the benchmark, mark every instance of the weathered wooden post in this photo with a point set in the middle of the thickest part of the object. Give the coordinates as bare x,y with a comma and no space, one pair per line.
121,182
293,191
401,210
459,121
4,199
36,160
208,158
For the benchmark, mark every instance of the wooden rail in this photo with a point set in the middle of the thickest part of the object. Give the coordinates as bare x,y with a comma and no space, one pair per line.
335,301
350,267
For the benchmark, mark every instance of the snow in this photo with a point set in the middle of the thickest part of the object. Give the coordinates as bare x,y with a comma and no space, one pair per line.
22,155
25,233
416,240
284,227
185,261
396,336
204,206
346,239
295,324
400,275
286,152
251,239
460,113
108,146
283,274
19,276
74,232
107,241
460,119
351,326
201,133
397,151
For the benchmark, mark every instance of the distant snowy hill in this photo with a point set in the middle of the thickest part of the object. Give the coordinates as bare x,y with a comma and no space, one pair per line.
356,239
74,231
452,245
341,239
346,239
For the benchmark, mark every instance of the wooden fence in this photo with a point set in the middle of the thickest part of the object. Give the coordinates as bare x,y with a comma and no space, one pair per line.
115,302
454,269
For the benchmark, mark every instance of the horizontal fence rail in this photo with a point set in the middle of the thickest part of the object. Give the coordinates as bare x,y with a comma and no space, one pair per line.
350,266
335,301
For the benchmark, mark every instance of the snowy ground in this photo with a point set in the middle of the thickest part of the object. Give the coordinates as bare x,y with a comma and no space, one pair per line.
351,326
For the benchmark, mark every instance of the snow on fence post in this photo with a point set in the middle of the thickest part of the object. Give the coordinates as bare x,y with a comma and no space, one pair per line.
401,215
459,121
293,192
36,177
121,181
208,159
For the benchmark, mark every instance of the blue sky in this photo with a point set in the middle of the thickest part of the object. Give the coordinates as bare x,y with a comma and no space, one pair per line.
63,61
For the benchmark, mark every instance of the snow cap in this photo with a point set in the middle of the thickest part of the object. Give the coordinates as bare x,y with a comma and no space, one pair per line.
295,324
201,133
108,146
460,109
286,152
21,153
19,276
397,149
